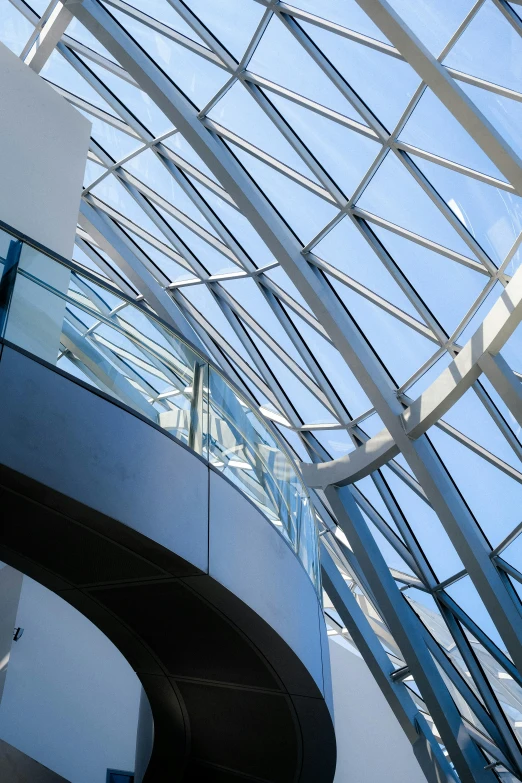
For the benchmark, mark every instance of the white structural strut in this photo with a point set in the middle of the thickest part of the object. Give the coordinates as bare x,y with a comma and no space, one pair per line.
355,465
445,88
47,34
311,282
110,238
474,358
505,382
443,495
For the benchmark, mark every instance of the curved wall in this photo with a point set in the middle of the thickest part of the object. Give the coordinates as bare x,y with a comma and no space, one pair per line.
199,549
71,699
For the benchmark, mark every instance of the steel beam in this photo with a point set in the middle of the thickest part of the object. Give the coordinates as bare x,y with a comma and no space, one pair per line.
445,88
53,24
111,240
441,492
504,381
427,751
404,626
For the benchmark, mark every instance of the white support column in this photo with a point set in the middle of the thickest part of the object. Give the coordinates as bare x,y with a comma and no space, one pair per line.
57,18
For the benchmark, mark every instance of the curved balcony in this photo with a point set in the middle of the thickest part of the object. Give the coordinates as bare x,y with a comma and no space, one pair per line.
136,482
61,313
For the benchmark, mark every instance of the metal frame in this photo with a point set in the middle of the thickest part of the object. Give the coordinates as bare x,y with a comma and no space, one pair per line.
318,327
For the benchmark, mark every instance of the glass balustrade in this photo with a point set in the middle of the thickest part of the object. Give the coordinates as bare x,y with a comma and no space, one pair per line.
93,332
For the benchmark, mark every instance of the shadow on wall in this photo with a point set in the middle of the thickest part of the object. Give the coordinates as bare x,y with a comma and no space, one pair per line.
16,767
71,700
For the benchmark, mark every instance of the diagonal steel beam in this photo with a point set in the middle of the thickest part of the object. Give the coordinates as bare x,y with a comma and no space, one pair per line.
445,88
343,332
407,632
111,240
53,24
505,382
426,749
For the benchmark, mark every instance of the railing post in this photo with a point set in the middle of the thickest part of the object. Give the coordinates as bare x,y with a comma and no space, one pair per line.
195,440
7,280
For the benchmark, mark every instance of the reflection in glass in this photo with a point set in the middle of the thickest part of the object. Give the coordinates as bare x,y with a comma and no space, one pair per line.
91,332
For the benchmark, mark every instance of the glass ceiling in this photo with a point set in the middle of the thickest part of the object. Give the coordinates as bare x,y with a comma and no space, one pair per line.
385,149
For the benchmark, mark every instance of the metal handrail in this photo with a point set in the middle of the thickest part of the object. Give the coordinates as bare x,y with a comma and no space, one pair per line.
216,426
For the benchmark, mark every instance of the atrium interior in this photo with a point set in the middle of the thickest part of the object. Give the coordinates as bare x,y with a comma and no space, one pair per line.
260,391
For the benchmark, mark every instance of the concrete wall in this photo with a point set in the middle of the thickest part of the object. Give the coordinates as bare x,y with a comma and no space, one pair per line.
43,149
71,700
371,746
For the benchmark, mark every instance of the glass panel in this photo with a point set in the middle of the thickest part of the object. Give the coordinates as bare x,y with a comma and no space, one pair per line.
245,452
336,442
343,12
9,258
492,216
427,528
105,341
384,83
14,28
393,194
401,349
489,48
427,378
306,213
348,250
162,11
470,417
36,313
433,128
345,154
447,287
493,497
280,58
239,112
466,595
434,21
197,77
475,323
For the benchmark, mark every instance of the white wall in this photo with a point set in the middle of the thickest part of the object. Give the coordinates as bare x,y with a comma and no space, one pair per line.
43,149
371,746
10,587
71,700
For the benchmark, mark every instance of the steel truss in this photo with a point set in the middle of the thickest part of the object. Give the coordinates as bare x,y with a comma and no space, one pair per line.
454,689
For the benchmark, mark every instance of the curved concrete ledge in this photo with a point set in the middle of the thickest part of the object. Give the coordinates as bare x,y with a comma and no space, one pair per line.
196,588
496,328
